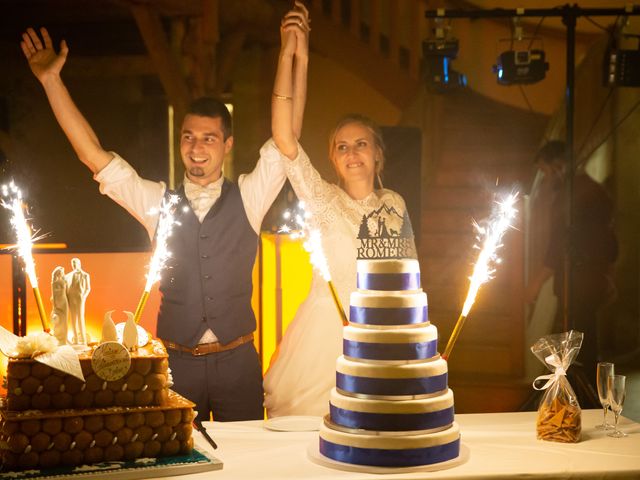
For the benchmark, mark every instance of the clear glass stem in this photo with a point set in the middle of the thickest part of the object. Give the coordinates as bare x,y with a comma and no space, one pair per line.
615,426
604,419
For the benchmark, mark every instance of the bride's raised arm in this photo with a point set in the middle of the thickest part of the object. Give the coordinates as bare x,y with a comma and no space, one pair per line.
290,85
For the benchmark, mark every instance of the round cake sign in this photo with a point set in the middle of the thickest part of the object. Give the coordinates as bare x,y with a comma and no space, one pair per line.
111,361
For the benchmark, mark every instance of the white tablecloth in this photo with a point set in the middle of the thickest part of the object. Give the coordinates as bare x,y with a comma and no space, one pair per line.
500,445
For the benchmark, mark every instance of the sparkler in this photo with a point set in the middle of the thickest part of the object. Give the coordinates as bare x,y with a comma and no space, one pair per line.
24,242
489,240
161,254
313,245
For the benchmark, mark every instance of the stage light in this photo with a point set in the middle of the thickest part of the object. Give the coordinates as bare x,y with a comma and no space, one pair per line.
622,65
438,56
521,62
520,67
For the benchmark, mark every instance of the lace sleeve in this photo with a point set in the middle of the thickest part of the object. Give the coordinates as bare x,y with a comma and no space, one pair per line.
317,194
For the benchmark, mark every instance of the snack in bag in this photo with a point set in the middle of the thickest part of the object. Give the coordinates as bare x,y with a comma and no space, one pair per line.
559,414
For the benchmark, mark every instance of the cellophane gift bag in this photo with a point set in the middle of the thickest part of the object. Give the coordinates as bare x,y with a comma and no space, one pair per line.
559,414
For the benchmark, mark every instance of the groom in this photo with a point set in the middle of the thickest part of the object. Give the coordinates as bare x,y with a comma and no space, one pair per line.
205,318
78,288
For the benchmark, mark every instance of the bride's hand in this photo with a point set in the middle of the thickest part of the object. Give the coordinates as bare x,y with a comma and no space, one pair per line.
302,33
295,23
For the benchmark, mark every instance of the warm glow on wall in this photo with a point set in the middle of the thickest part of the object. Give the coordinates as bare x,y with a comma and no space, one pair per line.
118,279
286,278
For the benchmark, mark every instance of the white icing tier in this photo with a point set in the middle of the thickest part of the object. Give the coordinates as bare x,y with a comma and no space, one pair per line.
391,343
393,407
391,379
405,265
388,308
368,299
390,442
388,274
378,449
424,414
398,334
431,368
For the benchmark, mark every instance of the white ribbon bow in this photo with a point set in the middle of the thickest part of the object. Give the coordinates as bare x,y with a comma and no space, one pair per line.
559,371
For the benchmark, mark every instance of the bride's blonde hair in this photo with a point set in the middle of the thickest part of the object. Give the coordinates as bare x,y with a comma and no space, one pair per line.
375,132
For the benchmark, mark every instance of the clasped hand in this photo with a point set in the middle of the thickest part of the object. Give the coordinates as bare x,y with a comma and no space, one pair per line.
294,31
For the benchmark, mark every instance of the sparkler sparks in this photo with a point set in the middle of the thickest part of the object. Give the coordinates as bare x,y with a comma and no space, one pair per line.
24,242
489,241
161,253
312,244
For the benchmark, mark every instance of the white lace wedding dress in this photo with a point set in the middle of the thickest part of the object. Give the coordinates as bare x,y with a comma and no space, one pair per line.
303,373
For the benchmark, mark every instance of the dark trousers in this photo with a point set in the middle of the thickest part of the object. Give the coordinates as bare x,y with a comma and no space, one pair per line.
227,384
589,295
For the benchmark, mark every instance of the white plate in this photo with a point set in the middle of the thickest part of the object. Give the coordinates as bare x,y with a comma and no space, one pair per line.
297,423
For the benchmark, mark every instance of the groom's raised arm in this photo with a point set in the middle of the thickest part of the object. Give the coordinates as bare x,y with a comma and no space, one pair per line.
46,65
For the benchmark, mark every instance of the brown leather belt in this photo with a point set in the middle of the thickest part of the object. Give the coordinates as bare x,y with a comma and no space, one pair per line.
213,347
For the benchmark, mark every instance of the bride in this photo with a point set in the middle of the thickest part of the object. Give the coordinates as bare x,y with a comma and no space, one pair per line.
301,376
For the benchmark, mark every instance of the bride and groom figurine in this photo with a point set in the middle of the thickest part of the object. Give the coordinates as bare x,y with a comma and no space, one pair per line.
68,294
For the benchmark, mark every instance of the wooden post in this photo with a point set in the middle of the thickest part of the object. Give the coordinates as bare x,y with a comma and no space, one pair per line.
168,69
374,25
356,18
394,32
336,11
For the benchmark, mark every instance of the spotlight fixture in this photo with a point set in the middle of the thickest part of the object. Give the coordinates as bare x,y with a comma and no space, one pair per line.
520,67
622,65
520,64
438,53
437,65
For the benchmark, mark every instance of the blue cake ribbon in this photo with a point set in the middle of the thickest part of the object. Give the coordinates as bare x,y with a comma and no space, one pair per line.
389,281
389,422
390,351
391,386
388,316
377,457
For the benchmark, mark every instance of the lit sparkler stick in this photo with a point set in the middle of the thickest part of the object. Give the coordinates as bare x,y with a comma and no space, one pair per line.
24,243
313,245
161,253
490,239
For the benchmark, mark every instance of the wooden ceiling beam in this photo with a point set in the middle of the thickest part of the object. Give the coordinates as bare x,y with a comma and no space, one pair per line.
208,39
167,67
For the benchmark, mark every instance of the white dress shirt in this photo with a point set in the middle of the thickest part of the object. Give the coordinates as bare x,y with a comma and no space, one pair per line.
140,197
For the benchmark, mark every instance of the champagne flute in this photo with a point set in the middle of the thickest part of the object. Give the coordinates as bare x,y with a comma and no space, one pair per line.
616,401
604,371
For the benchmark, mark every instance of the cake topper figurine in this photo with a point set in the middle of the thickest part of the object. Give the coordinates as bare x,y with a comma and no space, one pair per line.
78,288
24,242
109,333
384,234
489,240
130,333
60,310
115,332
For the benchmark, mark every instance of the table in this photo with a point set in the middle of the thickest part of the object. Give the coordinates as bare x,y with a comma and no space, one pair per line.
501,445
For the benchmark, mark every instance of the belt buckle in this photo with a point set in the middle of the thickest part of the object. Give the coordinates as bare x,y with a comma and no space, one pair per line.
196,351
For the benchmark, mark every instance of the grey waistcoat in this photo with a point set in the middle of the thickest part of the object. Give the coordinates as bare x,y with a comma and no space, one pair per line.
208,282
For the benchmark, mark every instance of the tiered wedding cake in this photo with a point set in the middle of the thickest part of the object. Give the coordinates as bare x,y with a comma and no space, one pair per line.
391,406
